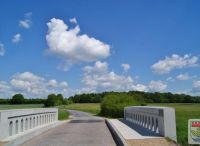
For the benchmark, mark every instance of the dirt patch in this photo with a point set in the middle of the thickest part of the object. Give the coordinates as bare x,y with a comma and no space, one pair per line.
150,142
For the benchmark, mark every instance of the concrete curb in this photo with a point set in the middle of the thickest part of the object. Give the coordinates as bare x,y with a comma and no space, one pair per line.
120,141
20,139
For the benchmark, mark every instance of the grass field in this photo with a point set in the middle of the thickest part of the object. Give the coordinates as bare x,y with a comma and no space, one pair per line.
21,106
93,108
183,113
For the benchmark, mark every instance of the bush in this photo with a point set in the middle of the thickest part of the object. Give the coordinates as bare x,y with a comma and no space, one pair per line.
54,100
17,99
113,104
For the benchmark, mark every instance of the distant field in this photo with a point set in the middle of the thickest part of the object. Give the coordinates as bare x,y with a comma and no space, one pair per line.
93,108
183,113
21,106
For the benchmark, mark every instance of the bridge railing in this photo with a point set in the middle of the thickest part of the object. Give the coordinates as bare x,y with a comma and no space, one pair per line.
13,122
160,120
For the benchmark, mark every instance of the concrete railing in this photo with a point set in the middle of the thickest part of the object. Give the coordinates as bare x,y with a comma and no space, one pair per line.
159,120
14,122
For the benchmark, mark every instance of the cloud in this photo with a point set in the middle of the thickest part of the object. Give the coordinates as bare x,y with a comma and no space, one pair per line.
170,79
157,86
2,50
33,85
26,22
126,67
52,83
196,87
73,20
174,62
16,38
5,89
64,85
73,47
28,82
184,76
99,78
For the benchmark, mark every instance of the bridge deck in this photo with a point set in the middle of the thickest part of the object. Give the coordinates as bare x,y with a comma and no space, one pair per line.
83,130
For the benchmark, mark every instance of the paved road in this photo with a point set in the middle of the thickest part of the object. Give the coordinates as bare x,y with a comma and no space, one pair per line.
83,130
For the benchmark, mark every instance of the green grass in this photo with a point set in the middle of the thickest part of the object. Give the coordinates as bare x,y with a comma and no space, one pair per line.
63,114
93,108
20,106
184,112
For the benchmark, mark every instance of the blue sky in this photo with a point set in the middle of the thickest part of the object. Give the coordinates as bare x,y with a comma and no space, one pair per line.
94,46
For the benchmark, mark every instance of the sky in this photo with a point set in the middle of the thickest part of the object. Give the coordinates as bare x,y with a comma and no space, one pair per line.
76,46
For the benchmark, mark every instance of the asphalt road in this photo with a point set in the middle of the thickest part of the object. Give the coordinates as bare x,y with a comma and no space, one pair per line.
83,130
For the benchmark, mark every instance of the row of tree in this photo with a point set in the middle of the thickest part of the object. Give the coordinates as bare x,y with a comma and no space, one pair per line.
55,100
19,99
52,100
147,97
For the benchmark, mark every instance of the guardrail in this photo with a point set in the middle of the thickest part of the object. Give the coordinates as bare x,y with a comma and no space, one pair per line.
160,120
13,122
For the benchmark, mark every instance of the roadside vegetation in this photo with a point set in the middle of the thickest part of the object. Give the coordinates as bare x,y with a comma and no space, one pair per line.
113,104
93,108
20,106
63,114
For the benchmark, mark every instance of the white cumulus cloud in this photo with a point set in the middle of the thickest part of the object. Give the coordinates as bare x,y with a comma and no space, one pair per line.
2,50
157,86
5,89
72,46
26,22
99,78
16,38
174,62
126,67
33,85
184,76
196,87
52,83
64,85
73,20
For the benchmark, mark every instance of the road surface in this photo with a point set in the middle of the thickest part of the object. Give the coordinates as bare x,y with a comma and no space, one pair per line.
83,130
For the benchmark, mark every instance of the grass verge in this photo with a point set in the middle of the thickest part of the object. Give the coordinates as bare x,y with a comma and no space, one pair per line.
63,114
93,108
20,106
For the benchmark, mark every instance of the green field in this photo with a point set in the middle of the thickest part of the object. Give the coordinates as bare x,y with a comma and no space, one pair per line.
93,108
183,113
20,106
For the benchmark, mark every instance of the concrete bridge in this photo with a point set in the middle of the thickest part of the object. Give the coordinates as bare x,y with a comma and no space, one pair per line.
40,127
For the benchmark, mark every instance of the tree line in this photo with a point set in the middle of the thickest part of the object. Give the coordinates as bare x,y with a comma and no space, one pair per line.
58,99
148,97
51,100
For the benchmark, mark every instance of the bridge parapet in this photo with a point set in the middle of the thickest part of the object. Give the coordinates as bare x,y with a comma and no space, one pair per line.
159,120
14,122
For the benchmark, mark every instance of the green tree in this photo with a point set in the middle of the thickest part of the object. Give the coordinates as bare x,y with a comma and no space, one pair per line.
17,99
54,100
113,103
